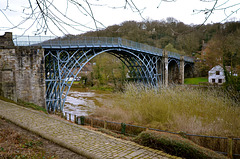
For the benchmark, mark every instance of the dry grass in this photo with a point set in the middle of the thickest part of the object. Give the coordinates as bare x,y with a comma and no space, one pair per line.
16,145
196,111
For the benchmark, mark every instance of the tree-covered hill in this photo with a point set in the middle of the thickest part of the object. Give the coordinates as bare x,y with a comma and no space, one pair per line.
210,44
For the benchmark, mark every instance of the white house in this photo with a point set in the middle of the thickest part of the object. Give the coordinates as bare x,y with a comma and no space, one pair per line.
216,75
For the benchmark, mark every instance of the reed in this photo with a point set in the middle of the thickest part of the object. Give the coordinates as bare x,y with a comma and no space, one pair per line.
177,108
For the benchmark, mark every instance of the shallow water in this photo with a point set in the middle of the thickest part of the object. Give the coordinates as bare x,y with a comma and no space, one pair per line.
82,102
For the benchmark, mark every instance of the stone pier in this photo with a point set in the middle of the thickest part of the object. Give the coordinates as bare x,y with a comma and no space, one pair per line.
22,72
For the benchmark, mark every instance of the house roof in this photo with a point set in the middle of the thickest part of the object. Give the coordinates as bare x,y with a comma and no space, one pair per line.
218,67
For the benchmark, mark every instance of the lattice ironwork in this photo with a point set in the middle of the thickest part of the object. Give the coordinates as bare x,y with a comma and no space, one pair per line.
63,65
66,56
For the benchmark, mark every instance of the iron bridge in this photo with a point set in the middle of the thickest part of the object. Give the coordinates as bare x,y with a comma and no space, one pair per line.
66,56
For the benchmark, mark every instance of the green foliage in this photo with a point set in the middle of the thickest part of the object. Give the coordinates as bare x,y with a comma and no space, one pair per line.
210,42
175,145
108,73
103,88
232,85
31,105
25,104
28,144
170,48
160,33
195,81
2,149
6,100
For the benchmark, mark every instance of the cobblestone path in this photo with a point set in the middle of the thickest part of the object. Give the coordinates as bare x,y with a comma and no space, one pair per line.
86,142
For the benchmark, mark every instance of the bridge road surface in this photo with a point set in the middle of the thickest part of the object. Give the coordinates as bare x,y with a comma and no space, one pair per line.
81,140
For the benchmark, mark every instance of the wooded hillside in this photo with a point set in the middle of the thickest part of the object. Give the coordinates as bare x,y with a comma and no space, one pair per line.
210,44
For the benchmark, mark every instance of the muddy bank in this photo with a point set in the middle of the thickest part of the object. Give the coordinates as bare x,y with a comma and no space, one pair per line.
83,101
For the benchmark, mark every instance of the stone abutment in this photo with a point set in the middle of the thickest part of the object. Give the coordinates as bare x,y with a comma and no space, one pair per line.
22,72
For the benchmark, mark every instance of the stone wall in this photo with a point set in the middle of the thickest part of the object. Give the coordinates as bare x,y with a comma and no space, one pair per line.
22,72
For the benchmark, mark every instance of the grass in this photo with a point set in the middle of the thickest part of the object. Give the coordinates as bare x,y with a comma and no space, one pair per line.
17,145
195,81
178,109
195,111
103,88
25,104
175,145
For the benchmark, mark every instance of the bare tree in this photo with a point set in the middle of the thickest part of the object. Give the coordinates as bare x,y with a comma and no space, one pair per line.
47,16
45,13
228,9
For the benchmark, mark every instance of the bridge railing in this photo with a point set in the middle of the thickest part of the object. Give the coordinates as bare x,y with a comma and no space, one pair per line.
30,40
83,41
188,59
140,46
76,41
173,55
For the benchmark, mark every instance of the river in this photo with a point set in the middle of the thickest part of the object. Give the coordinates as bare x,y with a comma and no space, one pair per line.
82,101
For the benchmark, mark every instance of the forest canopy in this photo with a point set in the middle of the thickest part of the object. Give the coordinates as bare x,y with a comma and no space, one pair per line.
210,44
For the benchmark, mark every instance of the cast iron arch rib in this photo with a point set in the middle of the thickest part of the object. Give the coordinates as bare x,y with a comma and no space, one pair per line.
65,62
146,63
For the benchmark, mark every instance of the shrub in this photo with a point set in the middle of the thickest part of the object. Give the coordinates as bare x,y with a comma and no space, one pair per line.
175,145
232,85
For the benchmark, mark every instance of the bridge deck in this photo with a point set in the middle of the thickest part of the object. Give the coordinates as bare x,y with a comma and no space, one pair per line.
48,42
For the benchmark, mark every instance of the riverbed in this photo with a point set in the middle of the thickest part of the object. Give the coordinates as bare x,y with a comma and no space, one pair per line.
83,101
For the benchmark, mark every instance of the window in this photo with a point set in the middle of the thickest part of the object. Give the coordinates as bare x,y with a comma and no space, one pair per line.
217,72
219,80
213,80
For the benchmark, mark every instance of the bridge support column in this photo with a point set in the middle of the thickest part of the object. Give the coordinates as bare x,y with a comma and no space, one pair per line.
165,64
159,73
181,70
22,72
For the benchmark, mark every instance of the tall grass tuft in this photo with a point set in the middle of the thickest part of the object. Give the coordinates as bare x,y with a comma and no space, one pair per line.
178,108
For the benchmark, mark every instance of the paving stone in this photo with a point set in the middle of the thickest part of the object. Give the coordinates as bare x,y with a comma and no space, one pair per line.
76,138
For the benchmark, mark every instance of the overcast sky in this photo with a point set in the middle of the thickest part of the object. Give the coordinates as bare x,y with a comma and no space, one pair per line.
110,12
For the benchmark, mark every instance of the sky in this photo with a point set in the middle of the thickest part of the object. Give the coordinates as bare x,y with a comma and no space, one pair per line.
105,13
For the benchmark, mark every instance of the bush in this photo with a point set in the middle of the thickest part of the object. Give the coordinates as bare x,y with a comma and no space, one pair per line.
232,85
175,145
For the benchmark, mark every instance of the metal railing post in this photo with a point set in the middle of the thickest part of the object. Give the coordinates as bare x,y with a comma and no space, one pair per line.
105,124
28,40
91,122
230,148
65,115
75,118
69,41
16,40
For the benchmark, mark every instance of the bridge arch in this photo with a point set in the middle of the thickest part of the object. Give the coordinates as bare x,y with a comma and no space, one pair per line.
147,63
188,70
173,71
61,65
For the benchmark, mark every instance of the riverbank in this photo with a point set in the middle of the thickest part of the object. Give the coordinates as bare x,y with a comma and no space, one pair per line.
81,140
191,110
16,142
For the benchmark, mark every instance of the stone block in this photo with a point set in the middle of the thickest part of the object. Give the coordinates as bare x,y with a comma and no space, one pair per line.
22,72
